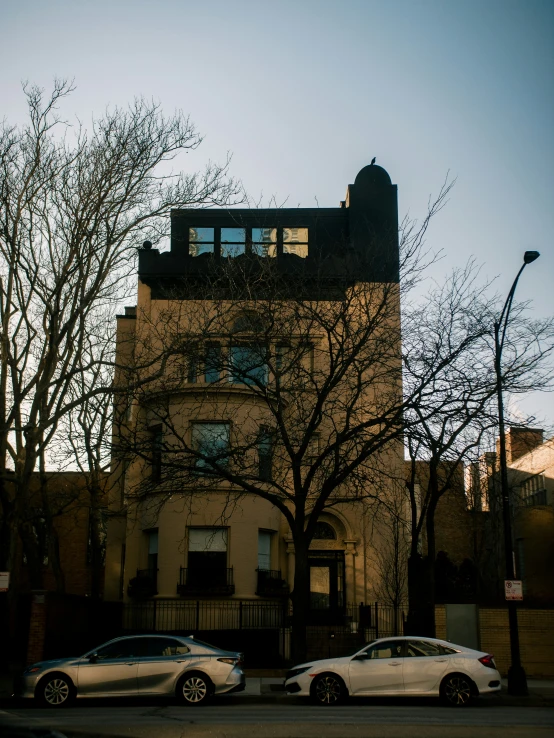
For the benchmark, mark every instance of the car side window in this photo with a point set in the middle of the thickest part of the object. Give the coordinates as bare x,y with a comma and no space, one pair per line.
124,649
165,647
423,648
385,650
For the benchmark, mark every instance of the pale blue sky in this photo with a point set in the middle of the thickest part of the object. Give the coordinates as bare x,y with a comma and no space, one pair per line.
305,92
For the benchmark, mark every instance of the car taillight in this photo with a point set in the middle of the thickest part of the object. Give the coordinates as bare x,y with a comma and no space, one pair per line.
488,660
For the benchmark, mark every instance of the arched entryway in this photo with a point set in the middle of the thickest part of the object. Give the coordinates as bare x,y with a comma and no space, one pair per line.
327,572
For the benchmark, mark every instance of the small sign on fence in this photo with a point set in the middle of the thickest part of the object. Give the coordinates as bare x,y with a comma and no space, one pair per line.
513,589
4,581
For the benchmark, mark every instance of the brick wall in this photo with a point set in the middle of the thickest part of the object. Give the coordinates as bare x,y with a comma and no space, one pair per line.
536,636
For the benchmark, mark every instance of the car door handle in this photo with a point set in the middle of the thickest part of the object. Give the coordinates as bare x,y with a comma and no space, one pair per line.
397,664
131,663
440,661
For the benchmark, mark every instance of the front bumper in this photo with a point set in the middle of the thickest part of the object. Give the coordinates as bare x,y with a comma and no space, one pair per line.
24,686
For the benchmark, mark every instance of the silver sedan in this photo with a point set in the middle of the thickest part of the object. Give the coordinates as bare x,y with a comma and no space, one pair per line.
137,666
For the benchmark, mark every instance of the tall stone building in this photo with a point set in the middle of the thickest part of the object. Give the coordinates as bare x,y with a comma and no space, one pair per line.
225,346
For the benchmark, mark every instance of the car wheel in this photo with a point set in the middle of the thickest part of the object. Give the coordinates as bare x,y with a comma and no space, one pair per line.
456,690
328,690
56,690
194,689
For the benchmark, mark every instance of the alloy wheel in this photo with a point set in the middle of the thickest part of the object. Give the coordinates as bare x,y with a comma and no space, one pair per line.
328,690
457,691
195,690
56,692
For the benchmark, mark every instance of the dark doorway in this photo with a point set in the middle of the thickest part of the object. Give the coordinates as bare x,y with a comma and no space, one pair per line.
327,590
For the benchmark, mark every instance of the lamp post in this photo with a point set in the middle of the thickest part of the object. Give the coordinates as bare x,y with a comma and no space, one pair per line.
517,681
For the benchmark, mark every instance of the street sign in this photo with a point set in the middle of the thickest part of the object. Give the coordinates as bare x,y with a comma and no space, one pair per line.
4,581
513,589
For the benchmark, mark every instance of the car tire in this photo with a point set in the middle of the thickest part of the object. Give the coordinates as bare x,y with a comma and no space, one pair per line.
194,689
457,690
328,690
55,690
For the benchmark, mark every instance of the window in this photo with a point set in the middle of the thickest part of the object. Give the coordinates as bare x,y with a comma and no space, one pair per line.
533,490
385,650
213,363
264,241
210,440
201,241
207,556
264,550
249,365
124,649
165,647
423,648
265,454
295,241
233,241
153,555
324,531
156,440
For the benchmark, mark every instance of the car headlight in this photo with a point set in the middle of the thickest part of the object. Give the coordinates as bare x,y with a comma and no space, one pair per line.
32,669
295,672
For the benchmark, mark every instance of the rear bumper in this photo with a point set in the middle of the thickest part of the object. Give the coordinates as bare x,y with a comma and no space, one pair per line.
236,682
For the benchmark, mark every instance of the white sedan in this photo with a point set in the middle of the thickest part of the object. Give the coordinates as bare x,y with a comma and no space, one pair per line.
407,666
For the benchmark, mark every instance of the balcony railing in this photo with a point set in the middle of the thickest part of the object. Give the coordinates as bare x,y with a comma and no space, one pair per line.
271,583
144,584
193,582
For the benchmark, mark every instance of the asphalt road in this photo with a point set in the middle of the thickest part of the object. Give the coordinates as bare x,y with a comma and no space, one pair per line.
282,718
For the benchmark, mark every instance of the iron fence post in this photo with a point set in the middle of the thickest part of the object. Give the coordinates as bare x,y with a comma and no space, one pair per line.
376,620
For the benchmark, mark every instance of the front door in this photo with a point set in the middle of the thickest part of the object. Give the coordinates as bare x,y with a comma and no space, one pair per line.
326,587
113,671
378,670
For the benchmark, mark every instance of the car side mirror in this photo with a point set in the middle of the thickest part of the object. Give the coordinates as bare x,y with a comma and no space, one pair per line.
93,658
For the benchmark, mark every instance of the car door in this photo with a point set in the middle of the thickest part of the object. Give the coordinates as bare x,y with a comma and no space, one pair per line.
425,664
378,670
112,670
161,664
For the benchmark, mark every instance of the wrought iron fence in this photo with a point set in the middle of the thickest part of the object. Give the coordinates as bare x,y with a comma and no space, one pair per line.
365,621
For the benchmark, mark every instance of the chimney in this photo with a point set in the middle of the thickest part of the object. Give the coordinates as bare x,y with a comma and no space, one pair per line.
519,441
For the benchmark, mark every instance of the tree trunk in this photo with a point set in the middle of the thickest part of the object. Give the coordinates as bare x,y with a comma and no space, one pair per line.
300,599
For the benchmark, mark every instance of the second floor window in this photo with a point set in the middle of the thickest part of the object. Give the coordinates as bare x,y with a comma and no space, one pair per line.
248,364
212,441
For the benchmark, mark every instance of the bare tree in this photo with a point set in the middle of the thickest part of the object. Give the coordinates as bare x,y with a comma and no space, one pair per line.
452,330
73,206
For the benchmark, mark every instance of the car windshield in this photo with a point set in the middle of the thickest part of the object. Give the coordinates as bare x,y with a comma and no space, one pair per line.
358,649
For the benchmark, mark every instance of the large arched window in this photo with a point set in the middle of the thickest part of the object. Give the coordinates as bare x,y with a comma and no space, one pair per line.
324,531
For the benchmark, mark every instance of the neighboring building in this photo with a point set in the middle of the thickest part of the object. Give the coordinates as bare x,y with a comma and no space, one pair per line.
69,505
198,548
531,478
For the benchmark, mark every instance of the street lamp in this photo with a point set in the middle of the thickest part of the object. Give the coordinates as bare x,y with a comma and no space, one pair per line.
517,681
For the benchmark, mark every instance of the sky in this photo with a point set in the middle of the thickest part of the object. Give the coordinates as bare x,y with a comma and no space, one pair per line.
304,93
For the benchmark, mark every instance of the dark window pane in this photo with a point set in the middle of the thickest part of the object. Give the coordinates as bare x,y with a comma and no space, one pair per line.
213,362
233,235
165,647
324,531
386,650
248,365
127,648
422,648
211,440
